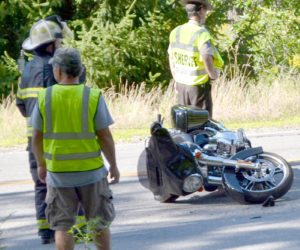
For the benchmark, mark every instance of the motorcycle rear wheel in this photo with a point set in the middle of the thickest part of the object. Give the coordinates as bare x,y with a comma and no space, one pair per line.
275,178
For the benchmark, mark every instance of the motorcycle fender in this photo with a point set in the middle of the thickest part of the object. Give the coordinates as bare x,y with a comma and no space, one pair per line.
232,186
247,153
230,182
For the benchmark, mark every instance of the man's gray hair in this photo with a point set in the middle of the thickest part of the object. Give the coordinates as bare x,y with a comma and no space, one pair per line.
192,9
69,60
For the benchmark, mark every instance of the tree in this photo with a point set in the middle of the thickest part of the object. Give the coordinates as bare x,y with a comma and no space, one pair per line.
127,41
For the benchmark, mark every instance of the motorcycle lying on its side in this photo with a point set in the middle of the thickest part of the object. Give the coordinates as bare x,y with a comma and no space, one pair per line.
200,153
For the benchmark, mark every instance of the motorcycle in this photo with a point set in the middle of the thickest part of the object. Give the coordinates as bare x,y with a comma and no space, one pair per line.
200,153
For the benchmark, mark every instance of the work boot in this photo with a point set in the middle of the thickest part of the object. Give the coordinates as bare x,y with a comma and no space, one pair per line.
47,236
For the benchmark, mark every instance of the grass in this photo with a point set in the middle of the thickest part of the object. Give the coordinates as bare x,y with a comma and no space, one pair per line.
237,103
279,123
12,124
257,102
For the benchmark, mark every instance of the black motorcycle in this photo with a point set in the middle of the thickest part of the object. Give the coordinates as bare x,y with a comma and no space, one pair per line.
200,153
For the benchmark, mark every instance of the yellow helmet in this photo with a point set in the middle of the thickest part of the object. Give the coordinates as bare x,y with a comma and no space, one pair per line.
45,31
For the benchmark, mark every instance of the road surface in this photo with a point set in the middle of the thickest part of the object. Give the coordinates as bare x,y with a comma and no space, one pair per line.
199,221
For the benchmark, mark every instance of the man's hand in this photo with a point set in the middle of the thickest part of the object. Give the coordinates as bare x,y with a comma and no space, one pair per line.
114,174
107,144
42,173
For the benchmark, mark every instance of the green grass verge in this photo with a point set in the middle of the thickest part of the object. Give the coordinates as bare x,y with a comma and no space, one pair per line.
130,135
136,135
13,142
278,123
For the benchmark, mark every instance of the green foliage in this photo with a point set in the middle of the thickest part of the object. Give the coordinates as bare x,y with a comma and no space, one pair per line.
16,19
127,40
9,74
85,234
129,45
264,35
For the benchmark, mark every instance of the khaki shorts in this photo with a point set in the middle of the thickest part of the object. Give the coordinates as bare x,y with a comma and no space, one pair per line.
63,203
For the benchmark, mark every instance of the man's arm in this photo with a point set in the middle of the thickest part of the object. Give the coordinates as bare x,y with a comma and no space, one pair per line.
172,65
209,66
171,62
107,145
37,146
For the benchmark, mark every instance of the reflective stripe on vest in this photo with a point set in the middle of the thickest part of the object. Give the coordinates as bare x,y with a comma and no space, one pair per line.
84,119
56,143
189,67
28,93
63,157
189,47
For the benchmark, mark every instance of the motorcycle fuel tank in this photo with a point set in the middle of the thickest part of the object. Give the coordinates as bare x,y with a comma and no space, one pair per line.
184,118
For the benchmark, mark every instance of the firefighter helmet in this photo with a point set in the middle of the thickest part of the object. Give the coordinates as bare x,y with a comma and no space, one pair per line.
45,31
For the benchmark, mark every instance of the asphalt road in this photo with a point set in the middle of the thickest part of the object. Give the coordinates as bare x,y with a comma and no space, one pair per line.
199,221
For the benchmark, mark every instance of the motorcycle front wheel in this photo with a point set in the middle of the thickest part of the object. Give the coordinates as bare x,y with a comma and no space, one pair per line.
274,178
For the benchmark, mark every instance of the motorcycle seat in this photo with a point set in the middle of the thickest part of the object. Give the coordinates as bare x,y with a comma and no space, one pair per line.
182,137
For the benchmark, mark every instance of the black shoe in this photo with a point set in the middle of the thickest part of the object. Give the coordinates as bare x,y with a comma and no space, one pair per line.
47,236
47,240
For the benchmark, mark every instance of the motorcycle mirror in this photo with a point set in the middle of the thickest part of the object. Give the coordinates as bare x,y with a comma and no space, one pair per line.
160,119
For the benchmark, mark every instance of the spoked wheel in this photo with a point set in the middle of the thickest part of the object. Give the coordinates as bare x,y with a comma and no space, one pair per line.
274,178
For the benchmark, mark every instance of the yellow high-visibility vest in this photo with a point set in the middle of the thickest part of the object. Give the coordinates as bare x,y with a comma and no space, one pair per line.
185,43
69,137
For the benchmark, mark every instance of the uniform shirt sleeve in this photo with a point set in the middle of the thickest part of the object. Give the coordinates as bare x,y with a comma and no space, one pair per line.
207,49
103,118
36,120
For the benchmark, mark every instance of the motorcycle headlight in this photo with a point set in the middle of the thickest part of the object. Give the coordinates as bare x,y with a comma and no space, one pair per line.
192,183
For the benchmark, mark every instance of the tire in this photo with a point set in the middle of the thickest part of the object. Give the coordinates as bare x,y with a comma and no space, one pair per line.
276,178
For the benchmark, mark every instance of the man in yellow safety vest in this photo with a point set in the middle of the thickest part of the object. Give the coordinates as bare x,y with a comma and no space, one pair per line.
194,60
45,37
71,129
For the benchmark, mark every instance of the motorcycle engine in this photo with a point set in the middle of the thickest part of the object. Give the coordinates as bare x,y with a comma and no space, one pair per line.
227,143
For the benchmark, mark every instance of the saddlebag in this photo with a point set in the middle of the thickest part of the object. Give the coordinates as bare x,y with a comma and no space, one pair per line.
167,164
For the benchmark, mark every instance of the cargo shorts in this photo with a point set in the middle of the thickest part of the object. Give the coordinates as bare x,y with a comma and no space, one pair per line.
63,204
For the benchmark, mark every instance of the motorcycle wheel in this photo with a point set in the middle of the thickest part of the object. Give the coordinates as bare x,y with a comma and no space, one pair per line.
275,178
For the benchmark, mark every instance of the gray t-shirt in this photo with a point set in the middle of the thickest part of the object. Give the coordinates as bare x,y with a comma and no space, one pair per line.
102,120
